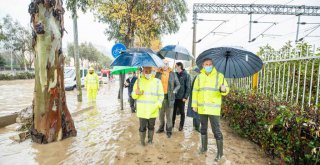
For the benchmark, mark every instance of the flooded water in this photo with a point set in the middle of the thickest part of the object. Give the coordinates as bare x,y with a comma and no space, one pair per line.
18,94
108,135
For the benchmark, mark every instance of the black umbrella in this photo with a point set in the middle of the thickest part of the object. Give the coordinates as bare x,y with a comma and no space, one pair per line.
232,62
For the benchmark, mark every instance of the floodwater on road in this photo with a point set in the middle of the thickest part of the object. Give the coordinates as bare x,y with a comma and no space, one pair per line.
16,95
108,135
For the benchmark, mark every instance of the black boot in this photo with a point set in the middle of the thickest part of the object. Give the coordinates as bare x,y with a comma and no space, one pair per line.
142,137
150,136
161,129
204,144
220,150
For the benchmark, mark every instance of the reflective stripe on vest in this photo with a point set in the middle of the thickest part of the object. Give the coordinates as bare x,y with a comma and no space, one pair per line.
146,102
208,89
209,105
151,94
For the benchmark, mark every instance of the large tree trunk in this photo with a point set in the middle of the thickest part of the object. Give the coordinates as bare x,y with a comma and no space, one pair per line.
51,118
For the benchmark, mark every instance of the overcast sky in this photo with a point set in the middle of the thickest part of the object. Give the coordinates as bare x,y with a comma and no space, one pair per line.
92,31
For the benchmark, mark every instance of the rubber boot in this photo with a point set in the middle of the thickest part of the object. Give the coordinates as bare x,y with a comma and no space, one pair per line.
204,144
150,136
142,137
220,150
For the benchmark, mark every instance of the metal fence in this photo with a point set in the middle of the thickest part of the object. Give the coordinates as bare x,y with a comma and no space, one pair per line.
292,75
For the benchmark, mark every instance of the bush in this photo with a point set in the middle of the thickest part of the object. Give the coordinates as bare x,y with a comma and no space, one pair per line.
281,129
23,75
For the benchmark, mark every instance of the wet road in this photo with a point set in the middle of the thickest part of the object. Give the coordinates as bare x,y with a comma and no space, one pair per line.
108,135
18,94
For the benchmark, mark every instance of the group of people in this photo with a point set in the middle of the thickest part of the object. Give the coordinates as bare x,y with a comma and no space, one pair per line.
165,94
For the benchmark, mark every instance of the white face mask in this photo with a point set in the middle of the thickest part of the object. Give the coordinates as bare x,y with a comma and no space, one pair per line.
130,75
148,76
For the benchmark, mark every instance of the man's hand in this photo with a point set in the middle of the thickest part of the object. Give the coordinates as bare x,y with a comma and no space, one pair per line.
139,92
184,100
222,89
126,84
195,109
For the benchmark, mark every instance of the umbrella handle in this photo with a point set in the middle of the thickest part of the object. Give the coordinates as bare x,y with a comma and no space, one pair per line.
138,81
225,68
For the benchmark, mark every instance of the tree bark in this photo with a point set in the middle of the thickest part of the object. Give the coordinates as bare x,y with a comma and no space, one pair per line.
51,118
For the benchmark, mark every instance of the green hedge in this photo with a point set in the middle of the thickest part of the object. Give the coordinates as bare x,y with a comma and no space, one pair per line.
23,75
282,130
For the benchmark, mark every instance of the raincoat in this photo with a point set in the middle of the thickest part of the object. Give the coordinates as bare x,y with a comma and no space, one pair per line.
92,85
206,96
149,103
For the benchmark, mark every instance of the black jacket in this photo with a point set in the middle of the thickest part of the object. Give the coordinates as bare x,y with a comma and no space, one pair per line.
185,83
131,84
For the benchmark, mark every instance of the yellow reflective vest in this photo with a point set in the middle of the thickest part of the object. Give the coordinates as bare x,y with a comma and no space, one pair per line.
92,81
149,103
206,96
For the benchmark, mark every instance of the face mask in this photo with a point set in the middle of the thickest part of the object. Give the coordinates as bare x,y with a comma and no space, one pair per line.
148,76
208,68
91,72
130,75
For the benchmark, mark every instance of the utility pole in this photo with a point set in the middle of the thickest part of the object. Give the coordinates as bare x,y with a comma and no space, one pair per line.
194,37
250,26
76,53
11,60
298,28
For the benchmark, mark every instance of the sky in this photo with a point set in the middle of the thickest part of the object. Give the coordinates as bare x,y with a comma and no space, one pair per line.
90,30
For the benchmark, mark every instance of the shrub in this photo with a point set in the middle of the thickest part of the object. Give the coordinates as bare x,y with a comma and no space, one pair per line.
23,75
281,129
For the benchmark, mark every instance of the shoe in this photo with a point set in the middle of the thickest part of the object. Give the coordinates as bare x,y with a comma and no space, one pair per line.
160,131
220,150
142,137
204,144
150,136
169,134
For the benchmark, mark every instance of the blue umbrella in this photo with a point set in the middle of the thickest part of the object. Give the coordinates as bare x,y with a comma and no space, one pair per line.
138,57
176,52
232,62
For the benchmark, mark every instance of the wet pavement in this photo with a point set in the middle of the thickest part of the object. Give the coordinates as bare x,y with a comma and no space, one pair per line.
16,95
108,135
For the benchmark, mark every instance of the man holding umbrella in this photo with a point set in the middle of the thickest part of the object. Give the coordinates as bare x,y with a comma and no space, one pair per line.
171,86
209,87
148,92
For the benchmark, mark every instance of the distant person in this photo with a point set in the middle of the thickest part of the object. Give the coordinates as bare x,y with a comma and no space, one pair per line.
171,86
92,85
209,87
149,97
129,84
182,94
190,112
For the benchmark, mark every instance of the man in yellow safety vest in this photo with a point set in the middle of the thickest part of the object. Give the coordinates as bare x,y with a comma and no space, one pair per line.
92,85
148,92
209,87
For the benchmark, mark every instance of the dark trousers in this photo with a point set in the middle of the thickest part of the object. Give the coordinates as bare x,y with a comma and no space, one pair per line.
215,125
147,123
196,124
178,106
132,104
